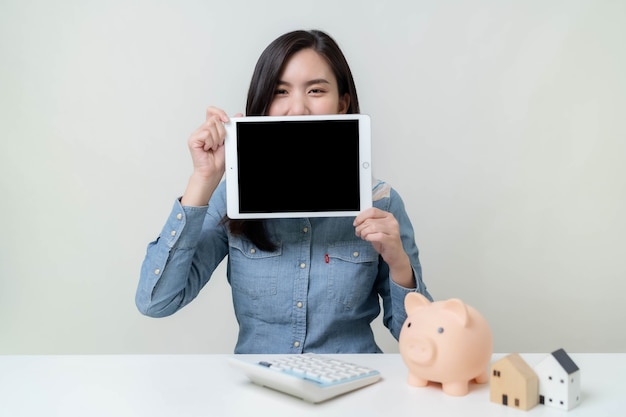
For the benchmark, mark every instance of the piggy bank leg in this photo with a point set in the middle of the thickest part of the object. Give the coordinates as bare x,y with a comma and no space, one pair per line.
455,388
417,382
482,378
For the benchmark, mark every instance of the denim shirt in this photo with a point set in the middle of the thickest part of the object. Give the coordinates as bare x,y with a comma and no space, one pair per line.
318,291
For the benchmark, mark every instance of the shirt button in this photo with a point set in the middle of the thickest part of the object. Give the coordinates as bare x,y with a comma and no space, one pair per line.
296,344
253,251
306,229
302,265
157,271
355,254
179,216
173,233
299,304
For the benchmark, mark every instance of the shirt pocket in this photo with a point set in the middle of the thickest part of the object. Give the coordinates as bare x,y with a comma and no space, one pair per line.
352,271
253,271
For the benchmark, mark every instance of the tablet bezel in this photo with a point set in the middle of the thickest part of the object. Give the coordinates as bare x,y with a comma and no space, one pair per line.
232,168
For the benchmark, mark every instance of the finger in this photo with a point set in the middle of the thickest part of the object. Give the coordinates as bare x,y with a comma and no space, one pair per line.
199,138
386,226
217,133
221,134
213,132
213,111
364,228
370,213
211,142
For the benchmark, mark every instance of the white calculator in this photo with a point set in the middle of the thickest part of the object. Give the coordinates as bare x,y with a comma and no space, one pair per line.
314,378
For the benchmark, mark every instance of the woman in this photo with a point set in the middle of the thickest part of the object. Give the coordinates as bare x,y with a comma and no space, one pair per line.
299,285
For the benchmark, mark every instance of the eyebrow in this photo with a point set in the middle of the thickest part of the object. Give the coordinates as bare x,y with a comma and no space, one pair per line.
308,83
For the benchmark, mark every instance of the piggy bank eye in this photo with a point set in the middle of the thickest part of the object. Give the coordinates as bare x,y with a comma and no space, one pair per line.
408,324
440,330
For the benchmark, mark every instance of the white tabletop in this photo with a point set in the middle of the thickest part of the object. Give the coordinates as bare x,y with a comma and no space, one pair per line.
206,385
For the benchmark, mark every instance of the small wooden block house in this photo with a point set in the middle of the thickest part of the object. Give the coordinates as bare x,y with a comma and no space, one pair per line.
514,383
559,381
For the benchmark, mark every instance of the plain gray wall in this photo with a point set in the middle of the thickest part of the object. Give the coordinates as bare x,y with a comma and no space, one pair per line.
501,123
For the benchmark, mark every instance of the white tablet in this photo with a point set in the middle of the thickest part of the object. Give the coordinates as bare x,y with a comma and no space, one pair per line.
298,166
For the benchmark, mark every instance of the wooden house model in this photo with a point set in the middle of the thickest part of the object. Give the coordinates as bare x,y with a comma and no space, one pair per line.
514,383
559,381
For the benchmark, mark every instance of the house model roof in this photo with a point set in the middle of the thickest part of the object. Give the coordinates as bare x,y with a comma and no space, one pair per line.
520,365
565,361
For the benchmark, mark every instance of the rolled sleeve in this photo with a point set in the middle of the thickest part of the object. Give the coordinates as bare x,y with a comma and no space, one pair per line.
183,226
179,234
398,294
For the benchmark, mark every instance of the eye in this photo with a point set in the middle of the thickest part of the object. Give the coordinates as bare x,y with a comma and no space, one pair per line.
408,324
440,330
280,91
316,91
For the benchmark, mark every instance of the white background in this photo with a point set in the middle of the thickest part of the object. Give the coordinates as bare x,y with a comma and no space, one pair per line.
501,123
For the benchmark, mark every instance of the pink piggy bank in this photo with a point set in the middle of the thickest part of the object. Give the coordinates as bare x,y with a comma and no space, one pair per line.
445,341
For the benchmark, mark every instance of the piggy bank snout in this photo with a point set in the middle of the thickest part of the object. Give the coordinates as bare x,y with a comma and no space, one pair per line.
421,350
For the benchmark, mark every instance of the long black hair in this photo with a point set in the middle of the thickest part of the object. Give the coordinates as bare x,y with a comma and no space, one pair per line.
263,84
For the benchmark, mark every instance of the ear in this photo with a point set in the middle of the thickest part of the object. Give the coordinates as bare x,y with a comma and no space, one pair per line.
415,300
344,104
458,308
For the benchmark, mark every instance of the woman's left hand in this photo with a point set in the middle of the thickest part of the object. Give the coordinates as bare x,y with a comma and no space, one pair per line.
382,230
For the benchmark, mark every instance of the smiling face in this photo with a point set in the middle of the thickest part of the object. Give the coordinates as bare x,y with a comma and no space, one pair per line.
307,86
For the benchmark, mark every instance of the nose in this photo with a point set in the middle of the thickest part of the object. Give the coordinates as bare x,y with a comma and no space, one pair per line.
422,351
298,106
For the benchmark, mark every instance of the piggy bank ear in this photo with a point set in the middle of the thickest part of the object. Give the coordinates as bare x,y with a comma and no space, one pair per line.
458,309
415,300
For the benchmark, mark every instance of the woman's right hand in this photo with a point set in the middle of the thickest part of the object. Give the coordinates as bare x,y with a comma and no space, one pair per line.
206,145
